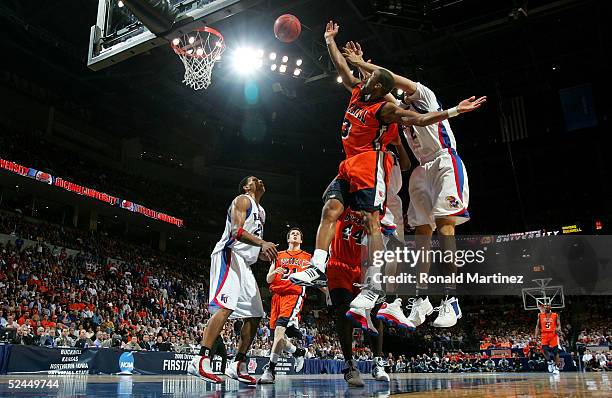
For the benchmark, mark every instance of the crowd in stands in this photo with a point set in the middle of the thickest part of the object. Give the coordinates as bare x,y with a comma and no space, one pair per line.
61,287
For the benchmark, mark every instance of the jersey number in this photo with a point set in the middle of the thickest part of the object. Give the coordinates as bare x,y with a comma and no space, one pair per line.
358,235
547,325
346,129
257,231
286,273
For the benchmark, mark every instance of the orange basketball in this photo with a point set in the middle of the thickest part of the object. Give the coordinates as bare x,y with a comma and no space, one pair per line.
287,28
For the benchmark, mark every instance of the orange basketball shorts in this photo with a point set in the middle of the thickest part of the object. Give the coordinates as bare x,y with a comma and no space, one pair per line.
285,308
342,276
362,181
550,339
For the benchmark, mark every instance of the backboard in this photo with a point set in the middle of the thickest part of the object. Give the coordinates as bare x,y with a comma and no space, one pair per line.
119,35
544,294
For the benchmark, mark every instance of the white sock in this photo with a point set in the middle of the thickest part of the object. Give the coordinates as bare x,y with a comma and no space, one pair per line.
274,358
318,259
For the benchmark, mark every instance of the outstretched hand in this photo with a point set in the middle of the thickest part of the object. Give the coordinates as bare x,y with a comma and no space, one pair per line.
471,104
331,30
352,52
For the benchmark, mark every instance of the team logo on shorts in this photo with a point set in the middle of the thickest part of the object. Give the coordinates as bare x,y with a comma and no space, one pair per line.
381,193
224,298
453,202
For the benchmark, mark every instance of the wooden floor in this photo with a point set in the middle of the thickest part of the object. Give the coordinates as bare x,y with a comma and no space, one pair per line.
496,385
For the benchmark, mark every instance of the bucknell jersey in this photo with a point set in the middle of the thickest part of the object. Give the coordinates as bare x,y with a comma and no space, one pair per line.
253,224
350,239
291,262
548,322
362,131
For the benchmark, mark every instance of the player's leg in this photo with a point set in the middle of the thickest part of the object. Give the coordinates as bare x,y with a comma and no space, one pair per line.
449,183
334,198
376,344
249,308
341,297
370,178
223,294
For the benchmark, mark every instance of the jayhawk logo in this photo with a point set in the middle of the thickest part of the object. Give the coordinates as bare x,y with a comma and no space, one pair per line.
453,202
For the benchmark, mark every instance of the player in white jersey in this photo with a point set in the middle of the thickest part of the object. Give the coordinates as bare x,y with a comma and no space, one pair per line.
438,187
233,290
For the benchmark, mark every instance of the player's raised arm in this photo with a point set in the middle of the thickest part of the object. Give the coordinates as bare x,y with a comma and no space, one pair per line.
238,214
353,54
392,113
348,80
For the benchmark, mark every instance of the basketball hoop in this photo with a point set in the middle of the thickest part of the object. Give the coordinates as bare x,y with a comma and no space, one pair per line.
199,51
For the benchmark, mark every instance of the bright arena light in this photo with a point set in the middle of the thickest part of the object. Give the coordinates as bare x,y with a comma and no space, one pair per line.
297,72
176,41
260,53
245,60
199,52
191,40
272,56
298,62
120,4
285,58
273,67
339,79
282,69
400,91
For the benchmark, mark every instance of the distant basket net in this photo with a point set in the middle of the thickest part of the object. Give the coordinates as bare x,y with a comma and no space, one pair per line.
199,50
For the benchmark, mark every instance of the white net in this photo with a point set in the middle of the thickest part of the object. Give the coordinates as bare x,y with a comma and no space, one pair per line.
199,51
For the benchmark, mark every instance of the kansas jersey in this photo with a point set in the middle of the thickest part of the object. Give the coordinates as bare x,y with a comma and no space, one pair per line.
362,131
291,262
350,239
548,322
428,141
253,224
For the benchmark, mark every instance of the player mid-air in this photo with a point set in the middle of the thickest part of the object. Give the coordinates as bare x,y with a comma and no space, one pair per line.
549,324
438,187
233,289
287,301
362,179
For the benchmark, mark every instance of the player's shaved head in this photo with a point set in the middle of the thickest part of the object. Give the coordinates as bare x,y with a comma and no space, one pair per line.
385,78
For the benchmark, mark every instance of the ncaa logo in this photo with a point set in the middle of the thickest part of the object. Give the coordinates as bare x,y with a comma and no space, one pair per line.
126,363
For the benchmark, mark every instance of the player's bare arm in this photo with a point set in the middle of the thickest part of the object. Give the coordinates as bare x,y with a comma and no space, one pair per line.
404,159
353,54
348,80
392,113
537,329
238,214
273,271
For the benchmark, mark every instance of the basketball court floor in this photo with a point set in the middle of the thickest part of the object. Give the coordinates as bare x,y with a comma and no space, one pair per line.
496,385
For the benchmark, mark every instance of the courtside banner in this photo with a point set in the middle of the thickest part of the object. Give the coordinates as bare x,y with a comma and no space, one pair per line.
59,182
33,359
569,263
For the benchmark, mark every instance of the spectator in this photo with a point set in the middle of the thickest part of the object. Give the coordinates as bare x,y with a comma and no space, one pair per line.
133,344
83,341
64,340
146,343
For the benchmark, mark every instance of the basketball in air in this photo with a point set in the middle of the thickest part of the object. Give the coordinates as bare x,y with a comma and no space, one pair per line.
287,28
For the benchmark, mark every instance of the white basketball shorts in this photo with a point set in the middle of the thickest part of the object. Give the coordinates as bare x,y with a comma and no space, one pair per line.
233,286
439,189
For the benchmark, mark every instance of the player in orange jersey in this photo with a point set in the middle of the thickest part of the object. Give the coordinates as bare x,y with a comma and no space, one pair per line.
287,301
347,253
549,325
363,176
